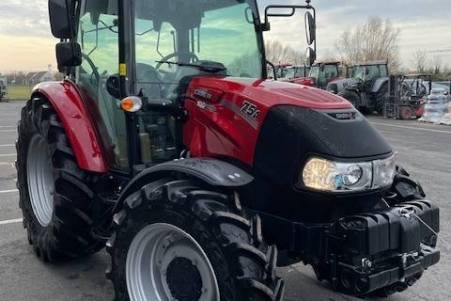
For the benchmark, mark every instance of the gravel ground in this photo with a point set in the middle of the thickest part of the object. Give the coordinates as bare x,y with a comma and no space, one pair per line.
423,149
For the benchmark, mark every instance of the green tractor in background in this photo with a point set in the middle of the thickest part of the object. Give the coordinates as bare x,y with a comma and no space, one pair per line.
367,87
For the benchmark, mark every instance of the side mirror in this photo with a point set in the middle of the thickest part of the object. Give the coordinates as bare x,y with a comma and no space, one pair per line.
311,56
310,28
113,86
68,54
61,18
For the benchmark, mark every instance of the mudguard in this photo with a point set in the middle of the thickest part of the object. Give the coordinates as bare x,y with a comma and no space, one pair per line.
337,86
211,171
76,119
378,84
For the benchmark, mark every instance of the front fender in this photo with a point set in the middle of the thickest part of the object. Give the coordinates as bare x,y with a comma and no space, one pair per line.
210,171
78,124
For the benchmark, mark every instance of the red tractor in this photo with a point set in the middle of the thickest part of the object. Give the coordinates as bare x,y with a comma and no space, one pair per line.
290,73
167,144
322,73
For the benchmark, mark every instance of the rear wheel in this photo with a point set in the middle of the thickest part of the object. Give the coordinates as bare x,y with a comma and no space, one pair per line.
55,195
176,241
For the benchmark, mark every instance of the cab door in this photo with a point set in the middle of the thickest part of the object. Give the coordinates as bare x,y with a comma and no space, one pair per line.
98,36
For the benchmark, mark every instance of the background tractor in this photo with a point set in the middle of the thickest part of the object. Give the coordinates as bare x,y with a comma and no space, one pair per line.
319,75
291,73
367,87
167,143
323,73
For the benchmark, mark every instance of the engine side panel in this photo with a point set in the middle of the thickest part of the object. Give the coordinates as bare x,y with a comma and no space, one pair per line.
78,124
226,114
221,129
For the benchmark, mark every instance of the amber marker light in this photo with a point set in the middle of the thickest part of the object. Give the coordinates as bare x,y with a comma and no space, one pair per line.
131,104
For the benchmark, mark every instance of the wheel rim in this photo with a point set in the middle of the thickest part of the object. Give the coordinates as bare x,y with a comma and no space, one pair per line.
40,179
165,263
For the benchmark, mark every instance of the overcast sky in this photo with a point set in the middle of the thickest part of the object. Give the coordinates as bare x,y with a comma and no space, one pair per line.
26,43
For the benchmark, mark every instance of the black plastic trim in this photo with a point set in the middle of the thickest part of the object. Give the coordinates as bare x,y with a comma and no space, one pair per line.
211,171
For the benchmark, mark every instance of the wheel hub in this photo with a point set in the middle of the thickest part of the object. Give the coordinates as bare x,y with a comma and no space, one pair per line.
164,263
178,271
41,186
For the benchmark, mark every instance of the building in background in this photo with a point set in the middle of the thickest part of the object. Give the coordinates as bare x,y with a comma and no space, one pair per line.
34,78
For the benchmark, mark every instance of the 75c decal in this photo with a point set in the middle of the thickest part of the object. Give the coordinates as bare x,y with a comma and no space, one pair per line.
250,110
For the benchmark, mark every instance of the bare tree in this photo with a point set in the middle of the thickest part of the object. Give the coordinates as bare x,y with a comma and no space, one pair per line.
375,40
437,65
419,60
277,53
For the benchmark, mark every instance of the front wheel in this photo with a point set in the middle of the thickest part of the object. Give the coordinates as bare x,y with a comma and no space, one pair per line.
176,241
353,97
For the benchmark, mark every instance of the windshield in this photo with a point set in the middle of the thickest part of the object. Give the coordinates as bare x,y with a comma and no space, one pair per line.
197,33
314,72
369,72
289,73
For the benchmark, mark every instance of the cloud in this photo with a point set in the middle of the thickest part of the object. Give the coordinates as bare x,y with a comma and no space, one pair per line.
424,24
24,18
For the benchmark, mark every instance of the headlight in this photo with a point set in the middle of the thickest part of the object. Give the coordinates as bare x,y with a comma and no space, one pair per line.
326,175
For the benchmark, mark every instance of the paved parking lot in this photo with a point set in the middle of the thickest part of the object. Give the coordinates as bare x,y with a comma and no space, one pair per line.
423,149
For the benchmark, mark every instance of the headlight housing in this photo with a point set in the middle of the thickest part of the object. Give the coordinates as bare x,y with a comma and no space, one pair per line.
326,175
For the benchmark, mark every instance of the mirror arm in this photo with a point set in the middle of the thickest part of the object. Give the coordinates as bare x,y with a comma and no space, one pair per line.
273,68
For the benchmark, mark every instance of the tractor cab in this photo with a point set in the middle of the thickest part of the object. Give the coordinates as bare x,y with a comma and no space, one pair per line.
324,72
169,42
367,73
290,72
161,46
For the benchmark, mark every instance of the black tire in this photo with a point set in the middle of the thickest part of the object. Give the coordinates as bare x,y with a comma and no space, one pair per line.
353,97
244,265
68,235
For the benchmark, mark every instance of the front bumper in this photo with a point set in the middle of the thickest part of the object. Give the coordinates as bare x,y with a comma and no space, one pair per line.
363,253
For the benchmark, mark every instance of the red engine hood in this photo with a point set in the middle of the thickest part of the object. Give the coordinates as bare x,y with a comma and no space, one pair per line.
270,93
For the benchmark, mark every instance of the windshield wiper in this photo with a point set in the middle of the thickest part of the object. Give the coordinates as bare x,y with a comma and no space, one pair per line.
206,66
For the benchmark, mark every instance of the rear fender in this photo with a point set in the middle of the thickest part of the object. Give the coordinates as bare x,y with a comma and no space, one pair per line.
78,124
210,171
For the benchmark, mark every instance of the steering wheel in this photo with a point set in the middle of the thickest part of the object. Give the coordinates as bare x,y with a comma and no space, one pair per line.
147,73
95,72
172,55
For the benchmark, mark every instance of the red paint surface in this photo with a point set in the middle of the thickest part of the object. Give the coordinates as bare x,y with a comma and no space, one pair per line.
219,130
76,118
